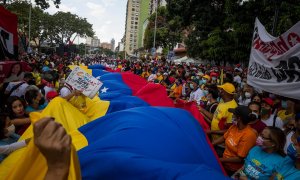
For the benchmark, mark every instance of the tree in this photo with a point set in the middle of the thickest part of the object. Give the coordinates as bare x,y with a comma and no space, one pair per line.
44,4
222,29
67,25
167,33
46,28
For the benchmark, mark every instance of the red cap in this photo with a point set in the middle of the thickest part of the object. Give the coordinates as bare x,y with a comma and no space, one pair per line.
268,101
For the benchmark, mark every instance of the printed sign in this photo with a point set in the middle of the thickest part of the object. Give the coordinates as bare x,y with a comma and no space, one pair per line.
82,81
274,64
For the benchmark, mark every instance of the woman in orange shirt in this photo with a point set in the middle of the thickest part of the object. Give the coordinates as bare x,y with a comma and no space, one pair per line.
239,139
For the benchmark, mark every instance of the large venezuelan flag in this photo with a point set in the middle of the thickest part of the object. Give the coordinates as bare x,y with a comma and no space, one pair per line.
147,143
131,139
126,90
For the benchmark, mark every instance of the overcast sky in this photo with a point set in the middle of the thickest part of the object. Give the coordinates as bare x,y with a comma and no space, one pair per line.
107,16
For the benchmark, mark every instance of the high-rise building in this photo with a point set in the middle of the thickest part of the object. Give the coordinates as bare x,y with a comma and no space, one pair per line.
143,21
106,45
93,42
137,14
131,26
152,5
113,42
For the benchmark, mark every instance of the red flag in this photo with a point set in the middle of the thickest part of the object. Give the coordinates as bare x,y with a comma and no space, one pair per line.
134,81
193,109
155,95
8,34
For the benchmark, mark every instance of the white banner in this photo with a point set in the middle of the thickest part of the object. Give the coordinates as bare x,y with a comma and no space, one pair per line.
274,64
82,81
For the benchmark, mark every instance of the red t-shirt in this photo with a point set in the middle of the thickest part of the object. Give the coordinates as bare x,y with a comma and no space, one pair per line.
258,126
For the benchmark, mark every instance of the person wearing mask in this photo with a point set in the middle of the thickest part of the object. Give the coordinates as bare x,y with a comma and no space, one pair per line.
18,88
176,92
237,78
266,114
239,139
211,105
196,94
292,136
288,110
35,100
205,79
222,117
152,76
245,97
290,168
256,124
256,98
264,160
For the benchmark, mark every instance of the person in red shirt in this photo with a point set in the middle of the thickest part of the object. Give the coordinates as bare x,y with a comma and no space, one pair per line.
256,124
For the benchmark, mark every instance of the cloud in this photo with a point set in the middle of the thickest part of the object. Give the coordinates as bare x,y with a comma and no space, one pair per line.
108,22
108,2
62,7
96,9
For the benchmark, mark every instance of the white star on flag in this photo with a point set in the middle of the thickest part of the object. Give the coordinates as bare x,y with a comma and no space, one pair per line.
104,90
294,40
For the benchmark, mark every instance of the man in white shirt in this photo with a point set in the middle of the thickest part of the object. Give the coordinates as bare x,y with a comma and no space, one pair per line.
152,77
266,114
19,88
196,94
237,78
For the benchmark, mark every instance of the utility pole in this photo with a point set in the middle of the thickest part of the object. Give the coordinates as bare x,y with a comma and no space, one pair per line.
155,26
29,31
277,5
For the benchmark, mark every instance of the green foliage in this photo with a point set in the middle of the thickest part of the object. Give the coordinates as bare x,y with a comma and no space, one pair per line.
167,31
68,24
57,28
222,30
43,4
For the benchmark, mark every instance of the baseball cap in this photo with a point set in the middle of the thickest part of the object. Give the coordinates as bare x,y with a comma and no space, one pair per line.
206,77
228,87
269,101
196,81
241,111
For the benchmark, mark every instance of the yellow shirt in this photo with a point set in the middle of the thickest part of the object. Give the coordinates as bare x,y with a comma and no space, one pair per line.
159,78
37,77
145,75
222,115
285,117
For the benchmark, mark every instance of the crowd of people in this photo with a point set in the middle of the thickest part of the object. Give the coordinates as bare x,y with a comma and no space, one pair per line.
256,134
